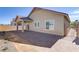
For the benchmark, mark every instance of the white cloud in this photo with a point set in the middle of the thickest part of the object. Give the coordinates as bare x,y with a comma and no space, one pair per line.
74,15
75,11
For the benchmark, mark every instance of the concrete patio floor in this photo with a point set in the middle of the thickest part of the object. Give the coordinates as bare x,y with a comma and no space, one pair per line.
35,38
64,45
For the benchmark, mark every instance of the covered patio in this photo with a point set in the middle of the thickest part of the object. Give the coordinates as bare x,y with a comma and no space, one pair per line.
24,21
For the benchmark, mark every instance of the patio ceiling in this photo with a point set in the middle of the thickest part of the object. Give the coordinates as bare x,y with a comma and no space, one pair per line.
25,19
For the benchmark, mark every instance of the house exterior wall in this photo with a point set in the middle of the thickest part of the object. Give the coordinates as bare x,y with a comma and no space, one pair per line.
66,26
78,33
41,16
13,23
77,30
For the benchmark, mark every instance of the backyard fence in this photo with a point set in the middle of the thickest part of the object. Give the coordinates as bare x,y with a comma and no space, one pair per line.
10,28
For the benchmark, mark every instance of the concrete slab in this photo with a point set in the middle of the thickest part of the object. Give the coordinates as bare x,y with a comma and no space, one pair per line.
35,38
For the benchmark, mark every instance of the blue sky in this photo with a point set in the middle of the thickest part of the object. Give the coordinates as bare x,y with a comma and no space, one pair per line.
7,13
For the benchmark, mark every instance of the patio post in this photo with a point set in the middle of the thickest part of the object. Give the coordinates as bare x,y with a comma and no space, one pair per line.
16,26
22,26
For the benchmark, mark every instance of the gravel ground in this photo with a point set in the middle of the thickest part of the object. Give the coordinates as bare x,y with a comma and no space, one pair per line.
6,46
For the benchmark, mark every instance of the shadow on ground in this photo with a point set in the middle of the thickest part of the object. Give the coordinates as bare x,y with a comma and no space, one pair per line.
76,41
35,38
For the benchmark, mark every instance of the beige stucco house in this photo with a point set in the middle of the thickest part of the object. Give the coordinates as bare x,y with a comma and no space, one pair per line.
49,21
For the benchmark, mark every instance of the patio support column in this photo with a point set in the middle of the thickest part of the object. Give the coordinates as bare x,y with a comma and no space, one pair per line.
16,26
22,26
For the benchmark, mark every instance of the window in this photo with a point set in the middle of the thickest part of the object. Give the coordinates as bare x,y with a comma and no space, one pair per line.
47,25
50,24
36,24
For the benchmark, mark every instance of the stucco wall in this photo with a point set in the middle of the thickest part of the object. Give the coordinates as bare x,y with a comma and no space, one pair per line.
67,26
77,30
42,16
78,33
